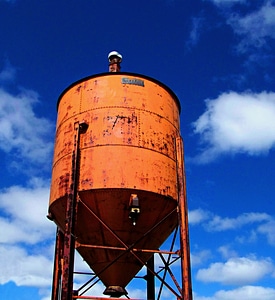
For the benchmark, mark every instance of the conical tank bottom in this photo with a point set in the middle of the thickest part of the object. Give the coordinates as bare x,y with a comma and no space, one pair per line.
106,238
115,291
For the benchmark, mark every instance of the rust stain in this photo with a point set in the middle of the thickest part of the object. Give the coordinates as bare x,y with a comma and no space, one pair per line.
78,89
125,119
87,182
64,181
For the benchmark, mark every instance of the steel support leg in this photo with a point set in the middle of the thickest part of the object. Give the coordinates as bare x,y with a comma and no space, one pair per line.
183,223
69,239
150,277
56,288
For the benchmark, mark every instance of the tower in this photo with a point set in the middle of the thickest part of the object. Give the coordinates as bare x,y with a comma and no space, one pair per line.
118,184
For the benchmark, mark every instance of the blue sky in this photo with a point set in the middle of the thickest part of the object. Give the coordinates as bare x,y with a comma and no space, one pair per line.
217,56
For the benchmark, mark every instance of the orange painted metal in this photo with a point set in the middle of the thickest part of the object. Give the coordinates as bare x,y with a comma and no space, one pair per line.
183,221
128,148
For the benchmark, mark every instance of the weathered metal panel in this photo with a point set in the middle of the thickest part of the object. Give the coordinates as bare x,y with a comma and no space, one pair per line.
128,148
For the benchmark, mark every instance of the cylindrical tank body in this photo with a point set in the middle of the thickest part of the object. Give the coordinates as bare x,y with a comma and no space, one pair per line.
128,148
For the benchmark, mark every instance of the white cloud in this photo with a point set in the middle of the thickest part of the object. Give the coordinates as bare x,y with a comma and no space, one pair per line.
221,224
46,294
236,271
47,297
227,252
212,222
23,268
26,239
198,258
254,28
268,229
197,216
197,23
23,214
21,130
236,123
246,292
227,2
260,223
8,73
23,223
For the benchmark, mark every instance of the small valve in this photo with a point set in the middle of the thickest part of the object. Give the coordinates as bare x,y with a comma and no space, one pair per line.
134,208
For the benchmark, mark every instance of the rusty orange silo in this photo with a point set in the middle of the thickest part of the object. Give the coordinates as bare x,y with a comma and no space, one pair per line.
127,186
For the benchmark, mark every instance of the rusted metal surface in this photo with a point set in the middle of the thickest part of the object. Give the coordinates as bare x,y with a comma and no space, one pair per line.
57,269
132,123
65,241
128,148
130,258
183,222
78,245
167,263
70,221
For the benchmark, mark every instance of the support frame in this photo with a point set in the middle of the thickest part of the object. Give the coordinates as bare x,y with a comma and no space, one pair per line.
63,272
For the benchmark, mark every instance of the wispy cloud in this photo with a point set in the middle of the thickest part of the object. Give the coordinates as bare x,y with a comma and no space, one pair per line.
257,224
198,258
237,271
23,268
236,123
268,229
22,132
197,216
212,222
216,223
226,252
194,35
226,2
254,28
245,292
8,73
26,239
23,214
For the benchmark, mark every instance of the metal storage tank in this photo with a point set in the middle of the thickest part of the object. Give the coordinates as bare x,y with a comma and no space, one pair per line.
126,177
